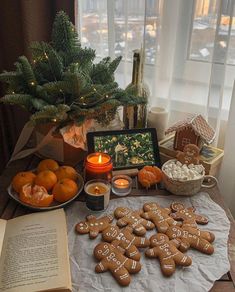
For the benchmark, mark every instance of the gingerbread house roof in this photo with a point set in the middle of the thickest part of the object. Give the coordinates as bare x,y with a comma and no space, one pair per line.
199,125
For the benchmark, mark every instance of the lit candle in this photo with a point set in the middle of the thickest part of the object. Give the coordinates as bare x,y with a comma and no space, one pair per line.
97,194
98,165
121,185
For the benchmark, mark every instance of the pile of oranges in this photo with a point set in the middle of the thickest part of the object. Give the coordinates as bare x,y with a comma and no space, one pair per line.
50,182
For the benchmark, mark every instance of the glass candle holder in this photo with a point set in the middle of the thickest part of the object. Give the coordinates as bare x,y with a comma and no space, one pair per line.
97,194
121,185
98,166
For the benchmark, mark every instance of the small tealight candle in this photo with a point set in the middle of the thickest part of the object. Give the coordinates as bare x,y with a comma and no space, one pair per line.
121,185
97,194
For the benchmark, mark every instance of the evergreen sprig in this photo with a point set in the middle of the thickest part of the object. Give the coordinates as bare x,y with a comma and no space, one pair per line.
62,83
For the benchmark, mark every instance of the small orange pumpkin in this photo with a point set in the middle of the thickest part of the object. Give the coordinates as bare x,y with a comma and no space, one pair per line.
149,175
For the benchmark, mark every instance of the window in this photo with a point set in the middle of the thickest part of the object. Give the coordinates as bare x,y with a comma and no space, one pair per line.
209,23
189,47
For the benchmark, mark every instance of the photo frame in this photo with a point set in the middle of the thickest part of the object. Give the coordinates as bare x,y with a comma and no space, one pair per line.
132,148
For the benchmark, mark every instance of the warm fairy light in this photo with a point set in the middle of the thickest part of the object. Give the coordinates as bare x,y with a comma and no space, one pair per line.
32,83
100,159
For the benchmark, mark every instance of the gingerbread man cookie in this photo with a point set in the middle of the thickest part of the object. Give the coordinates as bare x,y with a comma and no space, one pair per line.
93,225
126,240
207,235
185,239
130,218
113,260
159,216
187,215
190,154
168,254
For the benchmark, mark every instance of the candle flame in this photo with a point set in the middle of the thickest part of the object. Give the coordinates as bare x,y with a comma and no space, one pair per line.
100,159
97,190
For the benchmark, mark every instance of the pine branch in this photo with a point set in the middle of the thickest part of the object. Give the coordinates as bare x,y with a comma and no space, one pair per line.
47,60
27,71
51,113
23,100
64,36
82,57
38,104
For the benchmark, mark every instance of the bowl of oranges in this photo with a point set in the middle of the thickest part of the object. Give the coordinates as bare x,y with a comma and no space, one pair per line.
49,186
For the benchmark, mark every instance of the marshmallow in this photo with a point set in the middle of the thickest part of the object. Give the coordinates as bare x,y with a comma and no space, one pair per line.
179,171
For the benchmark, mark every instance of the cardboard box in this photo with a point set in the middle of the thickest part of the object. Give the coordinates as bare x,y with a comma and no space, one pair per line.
57,149
210,157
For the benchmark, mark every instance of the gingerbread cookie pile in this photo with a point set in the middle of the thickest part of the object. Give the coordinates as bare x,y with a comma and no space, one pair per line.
177,231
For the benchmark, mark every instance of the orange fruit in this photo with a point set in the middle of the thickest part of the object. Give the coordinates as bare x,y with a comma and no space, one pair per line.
47,164
21,179
66,172
35,196
149,175
156,171
64,190
46,178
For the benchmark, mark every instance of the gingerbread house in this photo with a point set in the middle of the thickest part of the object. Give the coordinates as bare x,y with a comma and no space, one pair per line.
193,130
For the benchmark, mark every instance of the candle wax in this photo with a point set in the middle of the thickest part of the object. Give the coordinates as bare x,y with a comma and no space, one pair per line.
121,183
98,159
97,189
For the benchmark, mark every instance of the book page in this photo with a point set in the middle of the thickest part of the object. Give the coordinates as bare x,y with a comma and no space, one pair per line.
3,224
35,253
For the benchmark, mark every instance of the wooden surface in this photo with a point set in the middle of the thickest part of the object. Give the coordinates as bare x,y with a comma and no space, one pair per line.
10,209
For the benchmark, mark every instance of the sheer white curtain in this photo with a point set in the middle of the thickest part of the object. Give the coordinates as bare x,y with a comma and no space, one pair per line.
227,173
189,47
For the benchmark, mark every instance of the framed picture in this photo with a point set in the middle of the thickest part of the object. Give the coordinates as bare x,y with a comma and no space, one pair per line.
133,148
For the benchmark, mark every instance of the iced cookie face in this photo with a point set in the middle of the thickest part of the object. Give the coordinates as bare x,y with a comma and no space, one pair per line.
159,216
132,219
158,239
167,253
102,250
187,215
83,227
150,206
122,211
93,225
111,232
112,259
174,232
126,240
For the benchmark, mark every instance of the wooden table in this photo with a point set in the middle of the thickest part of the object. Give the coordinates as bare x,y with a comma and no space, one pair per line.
10,209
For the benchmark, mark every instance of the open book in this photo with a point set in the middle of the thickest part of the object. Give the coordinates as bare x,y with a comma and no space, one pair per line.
34,253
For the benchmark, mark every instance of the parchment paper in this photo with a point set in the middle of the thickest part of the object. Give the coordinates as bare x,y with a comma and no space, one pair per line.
200,276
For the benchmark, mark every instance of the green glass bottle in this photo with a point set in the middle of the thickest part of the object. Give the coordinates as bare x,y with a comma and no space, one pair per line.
135,116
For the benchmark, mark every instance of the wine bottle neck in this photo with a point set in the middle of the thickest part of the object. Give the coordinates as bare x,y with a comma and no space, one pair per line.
136,73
